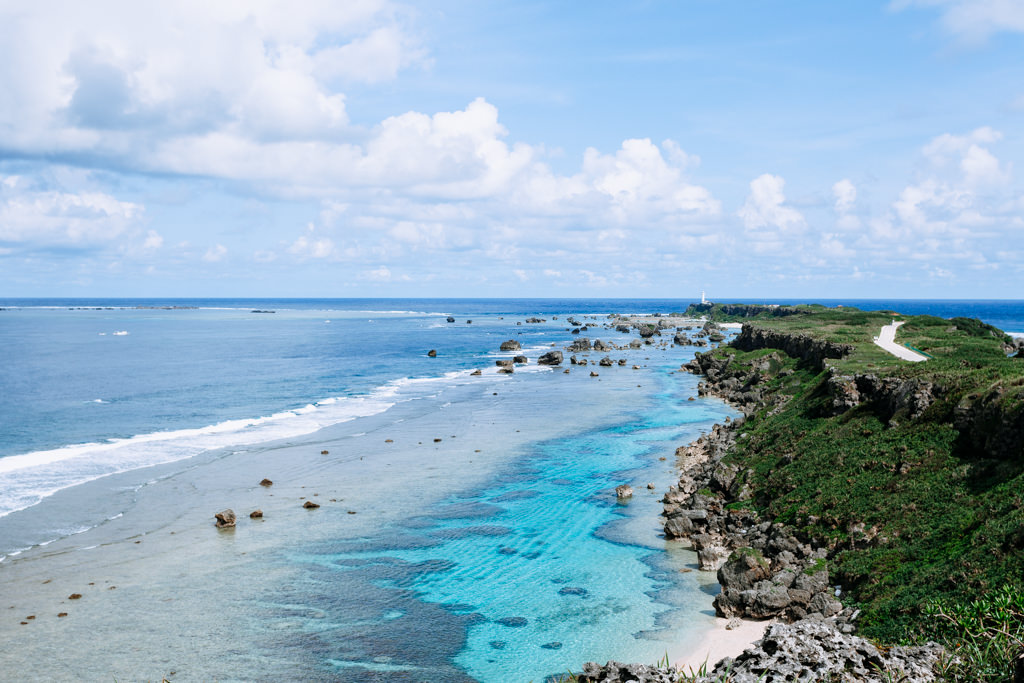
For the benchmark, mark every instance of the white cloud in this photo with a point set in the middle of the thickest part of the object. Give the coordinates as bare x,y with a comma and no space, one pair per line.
32,217
845,193
215,253
153,240
975,20
764,206
116,77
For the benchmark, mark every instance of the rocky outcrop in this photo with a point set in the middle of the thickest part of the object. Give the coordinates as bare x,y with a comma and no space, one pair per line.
890,397
623,491
581,344
742,310
510,345
550,358
807,651
796,345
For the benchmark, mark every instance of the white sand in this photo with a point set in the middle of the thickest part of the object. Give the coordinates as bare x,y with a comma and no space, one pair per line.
720,642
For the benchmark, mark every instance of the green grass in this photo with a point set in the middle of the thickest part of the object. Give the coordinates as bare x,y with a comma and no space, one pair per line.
915,510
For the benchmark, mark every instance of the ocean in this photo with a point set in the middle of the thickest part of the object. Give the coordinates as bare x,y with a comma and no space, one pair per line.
468,527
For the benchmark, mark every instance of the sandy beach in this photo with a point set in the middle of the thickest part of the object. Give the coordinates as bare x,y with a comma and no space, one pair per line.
720,642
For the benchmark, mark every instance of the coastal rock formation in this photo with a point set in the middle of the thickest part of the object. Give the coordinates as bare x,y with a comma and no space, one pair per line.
807,651
310,505
266,482
432,353
796,345
581,344
256,514
510,345
550,358
450,319
605,362
623,490
225,518
601,346
520,360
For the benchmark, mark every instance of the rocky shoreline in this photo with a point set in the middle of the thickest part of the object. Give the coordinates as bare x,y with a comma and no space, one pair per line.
767,570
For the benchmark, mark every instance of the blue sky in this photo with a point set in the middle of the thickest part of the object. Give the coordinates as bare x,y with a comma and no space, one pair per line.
476,148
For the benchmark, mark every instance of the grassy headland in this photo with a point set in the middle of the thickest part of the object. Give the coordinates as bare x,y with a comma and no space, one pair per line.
911,474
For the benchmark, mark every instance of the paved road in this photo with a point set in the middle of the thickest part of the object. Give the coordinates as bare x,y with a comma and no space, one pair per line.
887,340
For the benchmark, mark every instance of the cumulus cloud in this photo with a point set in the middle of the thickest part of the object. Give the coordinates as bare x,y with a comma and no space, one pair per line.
114,78
215,253
845,193
764,207
32,217
974,20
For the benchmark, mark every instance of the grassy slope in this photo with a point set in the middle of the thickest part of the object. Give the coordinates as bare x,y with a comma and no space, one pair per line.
945,516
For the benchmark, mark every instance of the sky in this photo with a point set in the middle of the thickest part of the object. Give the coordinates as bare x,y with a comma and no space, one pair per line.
476,148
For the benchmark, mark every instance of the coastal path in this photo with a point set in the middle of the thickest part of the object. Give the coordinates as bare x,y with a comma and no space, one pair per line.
887,340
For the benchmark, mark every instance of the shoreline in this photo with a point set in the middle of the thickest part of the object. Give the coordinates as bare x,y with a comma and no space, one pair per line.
158,562
721,641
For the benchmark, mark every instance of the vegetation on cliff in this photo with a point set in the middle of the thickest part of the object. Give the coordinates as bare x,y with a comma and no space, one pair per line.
912,474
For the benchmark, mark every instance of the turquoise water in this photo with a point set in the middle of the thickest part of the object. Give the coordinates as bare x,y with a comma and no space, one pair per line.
497,554
537,572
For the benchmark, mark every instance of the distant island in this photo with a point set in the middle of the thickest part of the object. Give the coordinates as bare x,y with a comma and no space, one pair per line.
863,501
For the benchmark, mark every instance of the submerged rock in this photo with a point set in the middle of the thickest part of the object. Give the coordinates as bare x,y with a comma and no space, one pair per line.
623,491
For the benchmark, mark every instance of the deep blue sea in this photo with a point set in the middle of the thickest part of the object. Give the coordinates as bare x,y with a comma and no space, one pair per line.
507,569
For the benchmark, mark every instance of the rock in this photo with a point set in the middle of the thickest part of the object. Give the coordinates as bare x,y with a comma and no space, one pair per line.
309,505
581,344
506,370
225,518
622,361
450,319
504,363
815,650
535,320
635,343
601,346
521,360
605,362
75,596
550,358
593,374
510,345
432,353
256,514
623,491
647,331
650,486
552,646
512,622
476,372
565,372
266,482
324,452
681,339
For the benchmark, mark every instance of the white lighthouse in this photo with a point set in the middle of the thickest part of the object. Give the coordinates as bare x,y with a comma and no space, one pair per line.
703,299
